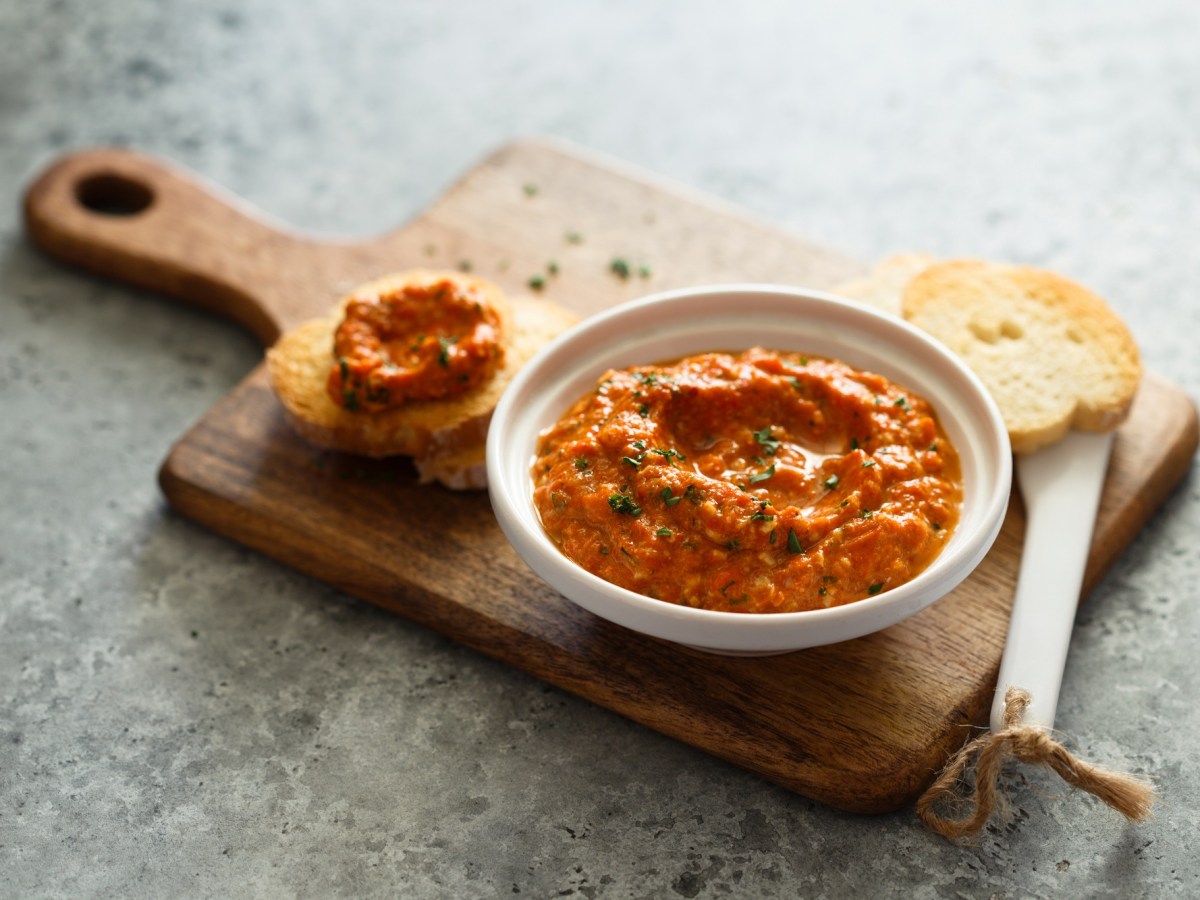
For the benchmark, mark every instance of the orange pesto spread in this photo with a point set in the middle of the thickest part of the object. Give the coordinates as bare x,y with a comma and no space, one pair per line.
758,482
415,342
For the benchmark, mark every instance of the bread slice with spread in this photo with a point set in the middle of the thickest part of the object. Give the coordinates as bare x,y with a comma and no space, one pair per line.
445,434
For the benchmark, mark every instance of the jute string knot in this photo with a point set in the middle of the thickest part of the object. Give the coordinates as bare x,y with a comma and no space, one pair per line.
1131,796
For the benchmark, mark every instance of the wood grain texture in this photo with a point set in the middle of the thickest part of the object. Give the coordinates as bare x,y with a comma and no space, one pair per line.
862,725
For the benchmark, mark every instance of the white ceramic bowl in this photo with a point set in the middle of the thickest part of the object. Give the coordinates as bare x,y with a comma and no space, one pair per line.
735,317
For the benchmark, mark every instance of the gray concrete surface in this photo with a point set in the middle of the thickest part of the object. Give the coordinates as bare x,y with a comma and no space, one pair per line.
180,717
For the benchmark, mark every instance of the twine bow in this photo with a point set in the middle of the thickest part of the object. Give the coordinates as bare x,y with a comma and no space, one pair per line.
1129,795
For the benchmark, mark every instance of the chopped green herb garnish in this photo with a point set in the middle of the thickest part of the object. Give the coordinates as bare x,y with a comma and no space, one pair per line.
350,400
552,267
762,515
728,586
733,545
624,504
464,265
831,482
771,539
763,439
865,514
853,443
667,497
902,403
537,282
936,526
619,267
875,588
581,463
444,354
643,410
631,461
693,494
557,500
669,455
345,368
763,475
663,532
639,445
794,542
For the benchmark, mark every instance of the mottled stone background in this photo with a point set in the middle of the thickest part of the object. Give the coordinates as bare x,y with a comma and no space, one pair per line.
180,717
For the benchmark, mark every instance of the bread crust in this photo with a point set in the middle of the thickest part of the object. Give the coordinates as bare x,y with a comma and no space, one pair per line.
298,366
883,286
1053,355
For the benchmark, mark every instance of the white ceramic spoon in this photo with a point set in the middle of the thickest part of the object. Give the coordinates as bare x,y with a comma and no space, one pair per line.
1061,487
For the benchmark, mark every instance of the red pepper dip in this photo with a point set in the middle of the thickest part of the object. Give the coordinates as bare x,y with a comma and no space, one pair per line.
758,482
420,341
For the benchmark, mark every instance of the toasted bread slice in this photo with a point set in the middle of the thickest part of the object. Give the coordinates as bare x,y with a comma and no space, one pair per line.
464,469
884,285
299,365
1052,354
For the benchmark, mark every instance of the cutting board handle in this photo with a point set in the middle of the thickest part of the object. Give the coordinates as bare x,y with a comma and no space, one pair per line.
139,220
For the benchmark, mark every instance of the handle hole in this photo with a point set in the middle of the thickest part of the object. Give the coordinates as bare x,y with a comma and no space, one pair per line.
113,195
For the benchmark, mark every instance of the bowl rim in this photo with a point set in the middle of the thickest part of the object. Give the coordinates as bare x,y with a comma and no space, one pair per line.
720,631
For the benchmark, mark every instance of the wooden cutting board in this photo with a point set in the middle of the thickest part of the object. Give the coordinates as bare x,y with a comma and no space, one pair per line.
862,725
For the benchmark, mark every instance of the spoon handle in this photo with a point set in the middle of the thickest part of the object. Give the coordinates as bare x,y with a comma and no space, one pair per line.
1061,487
